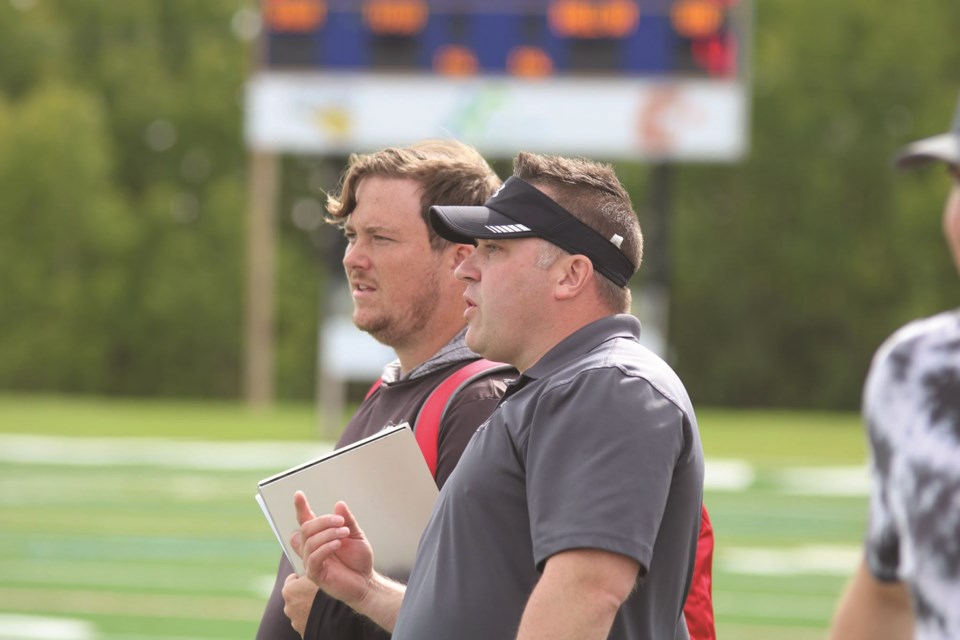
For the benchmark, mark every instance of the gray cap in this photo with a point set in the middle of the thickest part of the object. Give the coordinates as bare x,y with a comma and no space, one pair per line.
944,148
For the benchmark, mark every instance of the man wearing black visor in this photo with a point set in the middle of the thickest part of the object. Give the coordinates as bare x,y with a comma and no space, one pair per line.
574,512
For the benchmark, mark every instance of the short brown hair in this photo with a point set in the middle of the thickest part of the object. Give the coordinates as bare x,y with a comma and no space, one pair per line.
593,194
448,171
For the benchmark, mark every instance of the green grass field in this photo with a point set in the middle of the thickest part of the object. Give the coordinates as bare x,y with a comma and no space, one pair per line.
124,519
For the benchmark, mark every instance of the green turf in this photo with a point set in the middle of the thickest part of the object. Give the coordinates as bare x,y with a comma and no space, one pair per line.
182,553
196,420
772,438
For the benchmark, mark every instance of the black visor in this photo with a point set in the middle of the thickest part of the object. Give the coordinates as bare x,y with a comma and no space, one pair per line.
520,210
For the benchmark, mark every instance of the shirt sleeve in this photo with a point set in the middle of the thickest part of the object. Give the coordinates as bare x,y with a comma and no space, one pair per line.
601,456
880,414
331,619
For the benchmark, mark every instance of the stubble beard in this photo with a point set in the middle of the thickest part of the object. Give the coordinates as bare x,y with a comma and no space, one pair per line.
396,328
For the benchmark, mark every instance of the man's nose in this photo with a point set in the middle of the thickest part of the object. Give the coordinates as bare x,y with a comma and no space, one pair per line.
466,270
355,256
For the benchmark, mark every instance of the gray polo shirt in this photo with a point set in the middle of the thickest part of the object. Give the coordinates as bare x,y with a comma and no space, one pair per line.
595,446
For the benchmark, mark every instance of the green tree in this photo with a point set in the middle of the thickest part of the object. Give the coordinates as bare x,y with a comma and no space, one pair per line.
792,267
63,242
140,143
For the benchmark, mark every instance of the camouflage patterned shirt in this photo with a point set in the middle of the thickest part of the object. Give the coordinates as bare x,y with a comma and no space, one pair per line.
912,410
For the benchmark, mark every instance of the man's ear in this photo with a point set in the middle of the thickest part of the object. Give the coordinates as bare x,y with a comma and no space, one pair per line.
575,275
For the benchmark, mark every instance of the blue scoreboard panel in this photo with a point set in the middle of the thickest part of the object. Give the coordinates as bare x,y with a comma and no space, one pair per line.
518,38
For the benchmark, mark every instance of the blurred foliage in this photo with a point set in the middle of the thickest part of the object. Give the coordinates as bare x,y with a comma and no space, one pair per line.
123,204
790,268
123,197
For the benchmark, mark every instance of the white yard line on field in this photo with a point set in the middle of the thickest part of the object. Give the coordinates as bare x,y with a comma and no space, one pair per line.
728,475
721,474
839,560
21,627
157,452
826,481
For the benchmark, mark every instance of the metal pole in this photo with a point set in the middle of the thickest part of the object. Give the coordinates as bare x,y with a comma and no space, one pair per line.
261,250
654,296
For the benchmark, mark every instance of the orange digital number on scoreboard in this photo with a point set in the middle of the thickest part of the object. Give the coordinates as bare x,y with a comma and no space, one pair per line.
696,18
300,16
395,17
454,60
529,62
586,19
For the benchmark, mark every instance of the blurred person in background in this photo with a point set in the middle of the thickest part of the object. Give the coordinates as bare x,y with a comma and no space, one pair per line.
401,276
575,510
908,584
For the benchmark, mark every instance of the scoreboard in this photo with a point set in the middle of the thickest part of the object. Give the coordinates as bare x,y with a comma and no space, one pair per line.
529,38
614,78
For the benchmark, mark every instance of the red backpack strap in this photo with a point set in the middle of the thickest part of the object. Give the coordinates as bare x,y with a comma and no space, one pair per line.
373,387
427,425
698,609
